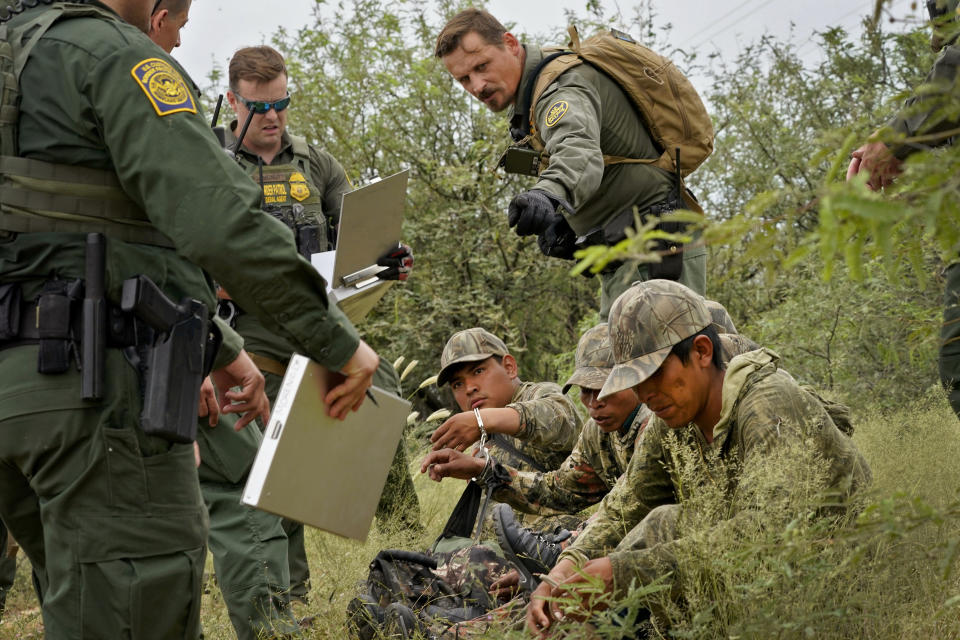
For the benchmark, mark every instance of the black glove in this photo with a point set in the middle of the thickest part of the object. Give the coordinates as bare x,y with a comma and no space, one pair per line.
399,263
558,241
532,212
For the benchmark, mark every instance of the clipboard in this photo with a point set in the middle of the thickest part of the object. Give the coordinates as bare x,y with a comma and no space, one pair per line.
371,220
319,470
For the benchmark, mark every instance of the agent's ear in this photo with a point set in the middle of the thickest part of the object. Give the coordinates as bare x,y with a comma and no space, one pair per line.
511,43
156,21
510,364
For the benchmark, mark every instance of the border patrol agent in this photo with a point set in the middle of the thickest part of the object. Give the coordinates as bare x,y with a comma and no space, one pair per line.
583,116
923,115
100,132
303,187
249,546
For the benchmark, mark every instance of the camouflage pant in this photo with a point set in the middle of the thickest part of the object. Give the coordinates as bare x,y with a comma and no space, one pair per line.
949,357
645,553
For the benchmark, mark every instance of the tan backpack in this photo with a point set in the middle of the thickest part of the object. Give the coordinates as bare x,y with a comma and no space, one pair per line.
667,102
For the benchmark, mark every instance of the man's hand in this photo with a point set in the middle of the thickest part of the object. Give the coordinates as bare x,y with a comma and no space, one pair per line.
350,393
448,463
507,586
251,401
875,158
541,613
399,263
598,568
532,212
459,431
209,408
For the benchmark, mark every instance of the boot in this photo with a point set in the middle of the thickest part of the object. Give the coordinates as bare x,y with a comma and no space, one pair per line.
530,552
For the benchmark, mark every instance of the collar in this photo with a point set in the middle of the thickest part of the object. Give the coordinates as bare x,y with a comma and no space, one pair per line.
532,58
740,371
634,424
231,139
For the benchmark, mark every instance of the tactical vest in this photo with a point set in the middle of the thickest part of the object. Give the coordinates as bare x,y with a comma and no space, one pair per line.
48,197
291,196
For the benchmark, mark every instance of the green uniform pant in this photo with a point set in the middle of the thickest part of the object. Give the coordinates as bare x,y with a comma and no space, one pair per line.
111,518
249,546
249,551
612,284
8,567
949,357
398,502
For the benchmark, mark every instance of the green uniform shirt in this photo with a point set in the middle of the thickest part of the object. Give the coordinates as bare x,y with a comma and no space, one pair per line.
588,473
329,179
98,115
762,407
912,120
549,426
599,120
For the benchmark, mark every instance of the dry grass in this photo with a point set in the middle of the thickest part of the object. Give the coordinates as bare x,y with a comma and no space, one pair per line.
892,575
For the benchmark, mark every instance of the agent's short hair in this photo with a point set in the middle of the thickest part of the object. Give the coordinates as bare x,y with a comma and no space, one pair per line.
173,6
467,21
682,348
259,64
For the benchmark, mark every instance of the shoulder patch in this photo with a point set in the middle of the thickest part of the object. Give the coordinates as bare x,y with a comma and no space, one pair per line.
557,110
163,86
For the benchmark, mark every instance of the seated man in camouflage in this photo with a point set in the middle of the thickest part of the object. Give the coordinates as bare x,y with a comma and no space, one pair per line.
600,457
532,426
729,418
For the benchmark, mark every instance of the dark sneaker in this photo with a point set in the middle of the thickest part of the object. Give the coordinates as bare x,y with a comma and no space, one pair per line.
530,552
364,617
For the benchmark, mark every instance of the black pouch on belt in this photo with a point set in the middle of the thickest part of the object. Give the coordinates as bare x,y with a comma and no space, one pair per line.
56,316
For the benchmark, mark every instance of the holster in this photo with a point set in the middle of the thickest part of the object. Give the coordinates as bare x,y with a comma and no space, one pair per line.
172,375
670,266
172,364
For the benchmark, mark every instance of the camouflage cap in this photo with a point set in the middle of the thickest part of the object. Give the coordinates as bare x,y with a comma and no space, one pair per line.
645,322
721,319
594,359
469,345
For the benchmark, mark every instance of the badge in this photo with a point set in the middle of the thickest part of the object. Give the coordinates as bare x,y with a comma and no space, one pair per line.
557,110
163,86
298,187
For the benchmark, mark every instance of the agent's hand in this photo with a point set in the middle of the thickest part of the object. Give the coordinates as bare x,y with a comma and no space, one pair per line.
209,408
875,158
459,431
448,463
532,212
251,400
349,394
558,240
399,263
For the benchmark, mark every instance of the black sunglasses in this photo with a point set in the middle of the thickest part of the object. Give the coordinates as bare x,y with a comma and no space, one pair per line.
259,106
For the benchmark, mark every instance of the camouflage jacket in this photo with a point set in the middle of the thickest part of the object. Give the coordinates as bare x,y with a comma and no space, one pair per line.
587,474
762,407
549,427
